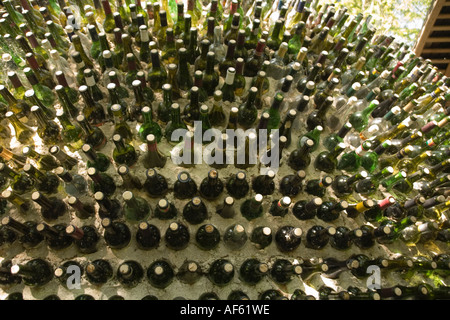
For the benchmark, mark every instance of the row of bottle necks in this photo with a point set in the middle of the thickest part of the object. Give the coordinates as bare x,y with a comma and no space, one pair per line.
422,291
161,272
136,206
287,239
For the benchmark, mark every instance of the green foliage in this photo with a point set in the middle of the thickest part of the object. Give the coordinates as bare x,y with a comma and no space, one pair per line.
400,18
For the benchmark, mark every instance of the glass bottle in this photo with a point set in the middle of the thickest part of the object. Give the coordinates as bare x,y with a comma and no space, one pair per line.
235,237
148,236
47,130
123,153
157,75
117,234
55,236
101,182
252,271
149,126
46,182
99,271
195,211
135,207
174,124
288,238
207,237
283,270
189,272
221,272
155,184
28,235
34,273
23,133
51,208
85,238
177,236
252,208
210,76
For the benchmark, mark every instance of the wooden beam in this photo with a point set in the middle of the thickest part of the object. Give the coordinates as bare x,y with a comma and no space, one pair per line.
440,28
436,50
436,39
428,24
443,16
440,61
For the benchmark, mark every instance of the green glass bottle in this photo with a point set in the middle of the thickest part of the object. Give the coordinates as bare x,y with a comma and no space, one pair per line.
160,274
174,124
95,160
147,236
300,158
210,75
360,119
153,158
177,236
47,130
157,74
327,160
252,271
69,108
155,184
130,273
46,182
117,234
217,115
28,235
34,273
305,210
252,208
283,270
51,208
108,22
149,126
92,111
314,135
42,92
94,136
221,272
23,133
191,111
123,153
30,96
135,207
20,182
274,112
248,113
54,235
85,238
101,182
44,162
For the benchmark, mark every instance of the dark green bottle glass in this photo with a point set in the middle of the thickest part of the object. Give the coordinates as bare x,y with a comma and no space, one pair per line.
36,272
148,236
282,271
207,237
101,182
155,184
177,236
252,208
123,153
221,272
130,273
99,271
195,211
85,238
252,271
117,234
